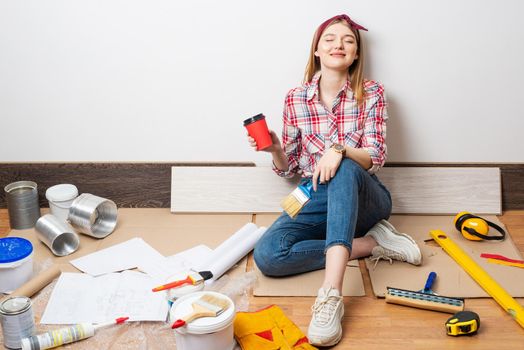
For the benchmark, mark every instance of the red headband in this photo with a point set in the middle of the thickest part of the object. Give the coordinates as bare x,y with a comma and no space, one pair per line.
346,18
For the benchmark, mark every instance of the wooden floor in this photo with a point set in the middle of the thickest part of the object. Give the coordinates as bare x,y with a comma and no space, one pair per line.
370,323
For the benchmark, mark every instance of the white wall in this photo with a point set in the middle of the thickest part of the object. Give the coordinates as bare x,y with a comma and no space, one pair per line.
165,80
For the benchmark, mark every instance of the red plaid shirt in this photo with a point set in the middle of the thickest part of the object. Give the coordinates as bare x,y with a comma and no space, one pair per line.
310,128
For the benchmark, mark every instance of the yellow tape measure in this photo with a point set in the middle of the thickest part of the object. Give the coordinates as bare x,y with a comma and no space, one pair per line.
463,323
480,276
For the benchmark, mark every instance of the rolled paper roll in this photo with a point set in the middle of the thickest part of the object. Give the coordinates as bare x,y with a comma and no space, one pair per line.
38,282
232,250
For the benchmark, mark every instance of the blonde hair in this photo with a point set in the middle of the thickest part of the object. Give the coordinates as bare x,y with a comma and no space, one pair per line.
356,70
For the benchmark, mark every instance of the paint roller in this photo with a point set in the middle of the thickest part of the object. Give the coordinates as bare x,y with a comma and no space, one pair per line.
425,298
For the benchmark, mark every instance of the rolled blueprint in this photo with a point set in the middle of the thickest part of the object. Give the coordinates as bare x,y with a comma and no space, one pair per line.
232,250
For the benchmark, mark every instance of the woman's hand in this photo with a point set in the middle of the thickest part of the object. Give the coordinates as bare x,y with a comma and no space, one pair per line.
275,147
327,167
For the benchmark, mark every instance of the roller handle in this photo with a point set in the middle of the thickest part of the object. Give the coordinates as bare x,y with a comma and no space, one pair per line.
429,282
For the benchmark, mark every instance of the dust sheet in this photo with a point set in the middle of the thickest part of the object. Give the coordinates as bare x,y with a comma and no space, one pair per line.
451,280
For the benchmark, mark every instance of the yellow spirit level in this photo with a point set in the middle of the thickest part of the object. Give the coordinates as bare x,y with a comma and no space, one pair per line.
505,300
463,323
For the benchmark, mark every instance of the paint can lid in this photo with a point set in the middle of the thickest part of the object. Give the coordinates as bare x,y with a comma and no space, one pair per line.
183,306
61,193
14,249
15,305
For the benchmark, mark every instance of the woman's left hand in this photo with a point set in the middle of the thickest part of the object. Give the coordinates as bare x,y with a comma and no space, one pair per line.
327,167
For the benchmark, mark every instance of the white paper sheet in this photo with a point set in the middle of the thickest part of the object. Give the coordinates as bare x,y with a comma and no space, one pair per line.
122,256
161,269
232,250
78,297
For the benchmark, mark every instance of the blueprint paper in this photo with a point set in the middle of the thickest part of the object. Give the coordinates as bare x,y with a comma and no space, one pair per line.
122,256
78,297
163,268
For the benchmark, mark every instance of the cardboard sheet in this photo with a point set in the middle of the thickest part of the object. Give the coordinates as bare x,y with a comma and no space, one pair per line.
305,284
171,234
451,280
164,231
41,252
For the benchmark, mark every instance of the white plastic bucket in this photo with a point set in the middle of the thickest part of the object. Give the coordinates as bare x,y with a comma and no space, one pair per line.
16,263
60,198
203,333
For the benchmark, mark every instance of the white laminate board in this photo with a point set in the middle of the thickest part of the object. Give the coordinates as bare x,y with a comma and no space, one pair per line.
414,190
227,190
438,190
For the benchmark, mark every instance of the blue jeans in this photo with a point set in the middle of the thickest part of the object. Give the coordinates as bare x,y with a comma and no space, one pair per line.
346,207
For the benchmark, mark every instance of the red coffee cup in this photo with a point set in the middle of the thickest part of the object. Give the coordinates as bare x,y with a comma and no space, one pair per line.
257,128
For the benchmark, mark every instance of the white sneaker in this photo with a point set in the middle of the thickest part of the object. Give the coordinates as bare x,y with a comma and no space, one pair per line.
325,328
393,245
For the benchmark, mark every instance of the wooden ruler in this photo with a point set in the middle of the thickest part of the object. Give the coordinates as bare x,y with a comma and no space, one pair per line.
480,276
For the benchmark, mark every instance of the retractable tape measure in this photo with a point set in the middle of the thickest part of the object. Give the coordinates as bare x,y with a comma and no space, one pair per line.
476,228
463,323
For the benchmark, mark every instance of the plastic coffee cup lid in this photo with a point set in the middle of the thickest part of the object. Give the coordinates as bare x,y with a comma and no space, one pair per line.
254,119
61,193
14,249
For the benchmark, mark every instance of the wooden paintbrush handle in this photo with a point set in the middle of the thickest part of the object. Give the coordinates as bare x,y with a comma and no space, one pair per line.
197,313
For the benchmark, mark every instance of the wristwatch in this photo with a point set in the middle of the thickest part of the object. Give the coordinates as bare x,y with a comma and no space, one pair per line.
337,147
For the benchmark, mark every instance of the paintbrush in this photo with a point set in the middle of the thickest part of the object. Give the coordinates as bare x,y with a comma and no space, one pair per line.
193,278
296,200
425,298
207,305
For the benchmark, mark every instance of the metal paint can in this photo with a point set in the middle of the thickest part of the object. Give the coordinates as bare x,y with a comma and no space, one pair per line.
17,319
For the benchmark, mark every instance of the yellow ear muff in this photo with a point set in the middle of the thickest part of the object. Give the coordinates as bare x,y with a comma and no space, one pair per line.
476,228
459,219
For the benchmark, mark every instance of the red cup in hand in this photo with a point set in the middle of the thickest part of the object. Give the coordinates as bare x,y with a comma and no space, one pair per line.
257,128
